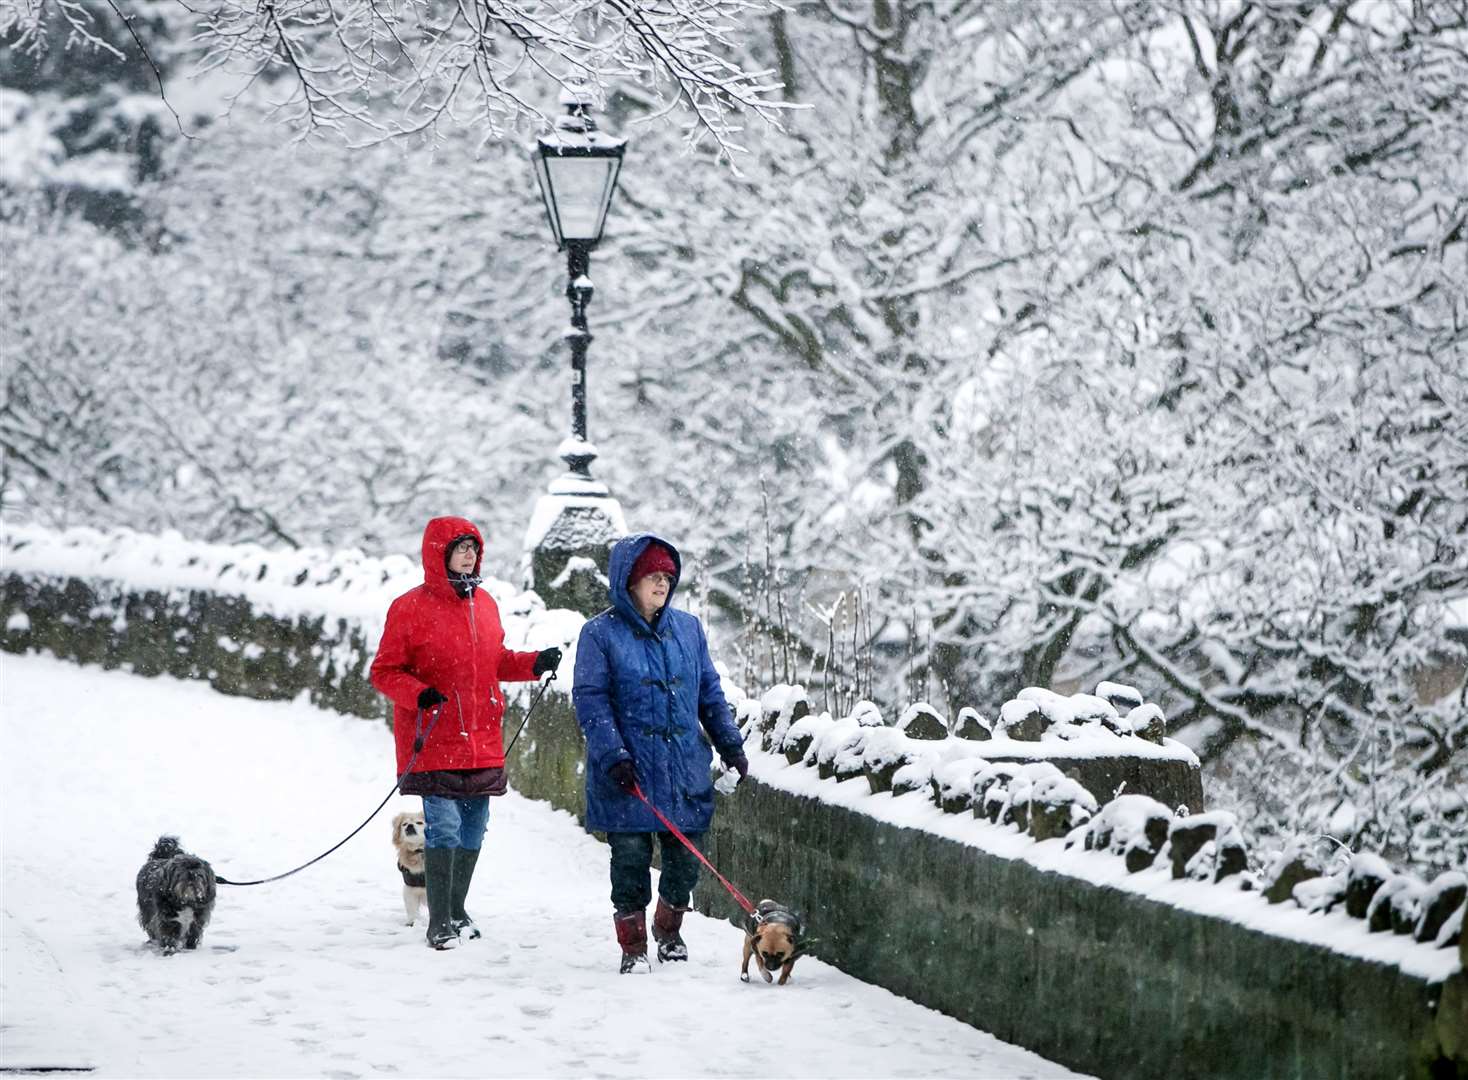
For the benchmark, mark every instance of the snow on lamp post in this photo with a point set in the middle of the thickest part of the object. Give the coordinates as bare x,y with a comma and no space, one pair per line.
577,520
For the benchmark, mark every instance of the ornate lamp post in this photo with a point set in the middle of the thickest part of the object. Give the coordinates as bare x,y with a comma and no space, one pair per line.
577,520
577,167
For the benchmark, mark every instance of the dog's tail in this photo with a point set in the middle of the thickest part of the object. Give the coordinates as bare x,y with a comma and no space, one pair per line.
166,848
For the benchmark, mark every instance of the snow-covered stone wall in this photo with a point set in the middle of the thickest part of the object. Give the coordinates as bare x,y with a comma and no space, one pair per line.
248,620
1121,936
972,865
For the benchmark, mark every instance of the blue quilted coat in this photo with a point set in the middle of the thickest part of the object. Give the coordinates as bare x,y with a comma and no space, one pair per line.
649,692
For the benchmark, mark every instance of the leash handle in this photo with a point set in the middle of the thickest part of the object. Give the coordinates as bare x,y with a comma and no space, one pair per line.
735,893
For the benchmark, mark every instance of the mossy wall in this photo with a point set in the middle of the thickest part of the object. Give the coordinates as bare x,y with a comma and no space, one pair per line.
1099,979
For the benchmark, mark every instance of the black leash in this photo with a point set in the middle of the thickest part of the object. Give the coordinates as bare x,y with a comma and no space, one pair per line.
418,741
543,688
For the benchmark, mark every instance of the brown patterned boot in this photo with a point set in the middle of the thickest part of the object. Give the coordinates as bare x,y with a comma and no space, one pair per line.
667,920
632,936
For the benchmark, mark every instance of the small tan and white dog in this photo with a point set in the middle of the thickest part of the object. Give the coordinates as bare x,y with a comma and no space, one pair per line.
407,838
773,937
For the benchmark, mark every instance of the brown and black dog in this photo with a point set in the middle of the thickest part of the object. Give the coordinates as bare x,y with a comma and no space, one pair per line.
772,935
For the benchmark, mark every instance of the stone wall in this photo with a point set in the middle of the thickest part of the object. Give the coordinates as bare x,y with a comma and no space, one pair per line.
192,634
1096,977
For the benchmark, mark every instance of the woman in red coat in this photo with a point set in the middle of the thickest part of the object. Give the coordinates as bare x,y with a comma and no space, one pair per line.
441,661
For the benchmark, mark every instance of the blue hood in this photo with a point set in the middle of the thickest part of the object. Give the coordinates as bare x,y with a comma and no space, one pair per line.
619,564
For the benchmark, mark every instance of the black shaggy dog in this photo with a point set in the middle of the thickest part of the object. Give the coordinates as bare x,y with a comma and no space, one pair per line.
175,896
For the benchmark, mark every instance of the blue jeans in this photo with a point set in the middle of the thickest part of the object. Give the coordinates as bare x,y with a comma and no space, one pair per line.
632,869
451,823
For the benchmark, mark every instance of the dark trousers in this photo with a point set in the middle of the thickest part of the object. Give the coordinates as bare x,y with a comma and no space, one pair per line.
632,869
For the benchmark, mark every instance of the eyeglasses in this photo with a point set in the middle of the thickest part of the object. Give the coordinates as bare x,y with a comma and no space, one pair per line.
463,546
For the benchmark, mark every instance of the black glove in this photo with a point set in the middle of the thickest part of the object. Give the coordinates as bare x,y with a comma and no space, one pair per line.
624,775
546,660
428,697
740,765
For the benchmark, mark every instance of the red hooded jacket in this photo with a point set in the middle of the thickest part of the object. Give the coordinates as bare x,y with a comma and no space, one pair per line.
435,637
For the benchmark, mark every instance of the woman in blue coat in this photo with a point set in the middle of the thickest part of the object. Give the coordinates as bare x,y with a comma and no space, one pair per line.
649,703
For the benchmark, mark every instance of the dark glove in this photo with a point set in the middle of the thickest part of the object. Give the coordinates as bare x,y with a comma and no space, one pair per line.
624,775
428,697
546,660
740,765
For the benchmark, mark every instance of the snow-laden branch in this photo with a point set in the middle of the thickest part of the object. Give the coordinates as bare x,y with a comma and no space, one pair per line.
374,69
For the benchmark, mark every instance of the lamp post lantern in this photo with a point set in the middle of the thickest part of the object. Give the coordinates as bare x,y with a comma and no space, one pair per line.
576,521
577,168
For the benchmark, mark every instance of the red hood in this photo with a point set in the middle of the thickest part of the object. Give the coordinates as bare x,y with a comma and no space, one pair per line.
437,535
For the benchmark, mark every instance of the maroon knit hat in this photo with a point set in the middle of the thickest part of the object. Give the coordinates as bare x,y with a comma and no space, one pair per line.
655,559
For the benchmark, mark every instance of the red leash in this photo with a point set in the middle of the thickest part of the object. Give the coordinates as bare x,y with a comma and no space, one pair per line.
735,893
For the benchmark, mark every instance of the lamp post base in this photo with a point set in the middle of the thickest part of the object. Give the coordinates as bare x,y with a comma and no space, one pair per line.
571,532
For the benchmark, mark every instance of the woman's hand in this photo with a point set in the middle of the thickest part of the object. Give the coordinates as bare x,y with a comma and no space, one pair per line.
428,697
739,764
546,660
624,775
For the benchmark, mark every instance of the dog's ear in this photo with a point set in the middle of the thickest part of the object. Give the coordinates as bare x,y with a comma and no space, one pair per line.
397,829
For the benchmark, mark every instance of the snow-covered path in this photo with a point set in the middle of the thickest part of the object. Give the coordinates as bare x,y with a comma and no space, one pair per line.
316,975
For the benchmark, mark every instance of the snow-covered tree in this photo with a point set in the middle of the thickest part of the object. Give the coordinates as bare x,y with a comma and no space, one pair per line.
374,69
1055,342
